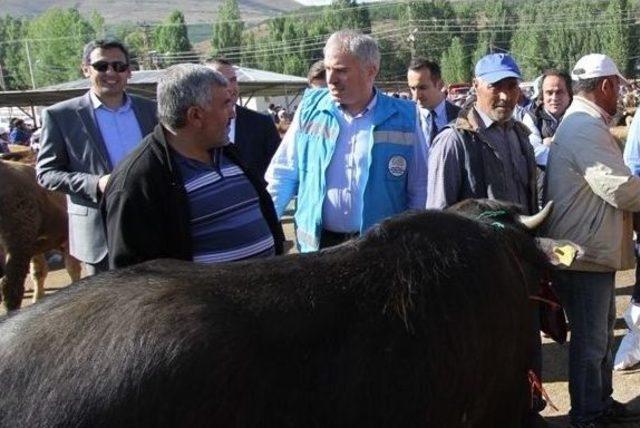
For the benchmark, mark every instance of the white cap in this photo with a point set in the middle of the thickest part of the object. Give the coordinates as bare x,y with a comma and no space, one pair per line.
595,65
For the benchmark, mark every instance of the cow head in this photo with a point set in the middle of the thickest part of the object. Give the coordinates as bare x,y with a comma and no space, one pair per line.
503,214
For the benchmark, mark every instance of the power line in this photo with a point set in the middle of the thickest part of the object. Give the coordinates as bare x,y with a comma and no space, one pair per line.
467,24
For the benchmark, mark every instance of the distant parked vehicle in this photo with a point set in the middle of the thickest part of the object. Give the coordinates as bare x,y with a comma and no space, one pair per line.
457,93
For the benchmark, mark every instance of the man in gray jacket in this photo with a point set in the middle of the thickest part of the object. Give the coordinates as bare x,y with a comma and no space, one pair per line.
594,195
85,137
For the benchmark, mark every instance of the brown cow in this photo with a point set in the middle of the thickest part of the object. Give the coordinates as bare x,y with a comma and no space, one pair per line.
32,220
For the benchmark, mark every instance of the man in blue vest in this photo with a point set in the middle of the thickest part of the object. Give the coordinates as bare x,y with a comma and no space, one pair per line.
353,155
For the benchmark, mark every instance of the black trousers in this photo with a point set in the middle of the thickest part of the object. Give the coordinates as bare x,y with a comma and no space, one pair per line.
331,239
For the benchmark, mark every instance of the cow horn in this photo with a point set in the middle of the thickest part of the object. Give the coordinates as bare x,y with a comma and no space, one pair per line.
533,221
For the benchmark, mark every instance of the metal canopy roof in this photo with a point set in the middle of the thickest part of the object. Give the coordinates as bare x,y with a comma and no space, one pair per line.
252,83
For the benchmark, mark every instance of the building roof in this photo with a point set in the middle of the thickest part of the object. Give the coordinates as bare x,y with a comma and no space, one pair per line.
252,82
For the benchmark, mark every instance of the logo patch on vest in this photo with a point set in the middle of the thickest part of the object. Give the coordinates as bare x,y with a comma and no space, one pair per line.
397,165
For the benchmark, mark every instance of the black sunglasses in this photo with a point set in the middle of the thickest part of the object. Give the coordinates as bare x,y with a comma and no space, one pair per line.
103,66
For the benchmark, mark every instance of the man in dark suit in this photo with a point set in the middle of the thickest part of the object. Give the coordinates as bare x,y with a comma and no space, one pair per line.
254,134
425,83
84,138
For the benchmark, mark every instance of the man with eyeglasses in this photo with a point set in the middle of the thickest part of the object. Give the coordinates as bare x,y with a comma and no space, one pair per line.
84,138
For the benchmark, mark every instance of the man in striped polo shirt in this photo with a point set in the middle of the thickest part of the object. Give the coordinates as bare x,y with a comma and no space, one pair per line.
184,193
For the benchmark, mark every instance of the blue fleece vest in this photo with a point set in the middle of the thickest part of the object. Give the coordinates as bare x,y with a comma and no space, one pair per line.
391,147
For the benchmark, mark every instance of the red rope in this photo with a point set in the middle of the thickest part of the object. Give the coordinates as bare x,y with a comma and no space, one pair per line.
536,385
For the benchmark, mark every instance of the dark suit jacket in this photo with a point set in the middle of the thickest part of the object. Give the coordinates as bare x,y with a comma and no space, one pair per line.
72,158
256,139
452,111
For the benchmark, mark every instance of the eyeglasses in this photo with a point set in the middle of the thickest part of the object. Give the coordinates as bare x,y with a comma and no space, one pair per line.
103,66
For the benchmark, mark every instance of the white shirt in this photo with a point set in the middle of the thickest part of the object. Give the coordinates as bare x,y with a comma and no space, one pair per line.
232,128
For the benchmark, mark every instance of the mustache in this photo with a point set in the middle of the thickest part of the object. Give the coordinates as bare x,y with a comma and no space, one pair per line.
503,104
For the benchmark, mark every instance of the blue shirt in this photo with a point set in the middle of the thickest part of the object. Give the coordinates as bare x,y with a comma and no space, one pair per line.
119,128
347,173
425,120
226,221
632,146
18,136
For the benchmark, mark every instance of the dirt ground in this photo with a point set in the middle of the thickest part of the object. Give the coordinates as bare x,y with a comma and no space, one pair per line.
555,357
626,384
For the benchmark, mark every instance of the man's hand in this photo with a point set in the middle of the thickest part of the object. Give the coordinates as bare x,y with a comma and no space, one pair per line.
547,141
102,183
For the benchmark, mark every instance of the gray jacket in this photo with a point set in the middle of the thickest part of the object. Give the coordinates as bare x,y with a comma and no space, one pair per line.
72,158
593,191
464,163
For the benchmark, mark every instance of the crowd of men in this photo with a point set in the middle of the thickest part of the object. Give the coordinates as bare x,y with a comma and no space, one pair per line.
197,177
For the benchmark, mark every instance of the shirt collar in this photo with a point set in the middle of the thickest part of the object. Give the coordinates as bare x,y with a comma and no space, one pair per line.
605,116
441,109
96,103
486,120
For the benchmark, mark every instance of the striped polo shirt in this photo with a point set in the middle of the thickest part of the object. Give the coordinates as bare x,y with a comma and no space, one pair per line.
226,221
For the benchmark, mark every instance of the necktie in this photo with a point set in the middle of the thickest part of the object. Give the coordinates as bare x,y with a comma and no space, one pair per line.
434,127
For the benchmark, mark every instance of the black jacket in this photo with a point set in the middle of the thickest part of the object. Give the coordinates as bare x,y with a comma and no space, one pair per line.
256,139
146,210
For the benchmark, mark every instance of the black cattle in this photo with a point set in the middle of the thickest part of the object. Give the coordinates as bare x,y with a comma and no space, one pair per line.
420,323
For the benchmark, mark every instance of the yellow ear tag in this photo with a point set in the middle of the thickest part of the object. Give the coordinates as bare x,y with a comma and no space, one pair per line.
565,254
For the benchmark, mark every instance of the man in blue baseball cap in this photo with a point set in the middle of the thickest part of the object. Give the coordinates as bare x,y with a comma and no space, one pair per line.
485,153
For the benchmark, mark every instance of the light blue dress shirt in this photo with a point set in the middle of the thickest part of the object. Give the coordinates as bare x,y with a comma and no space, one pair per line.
347,172
425,120
119,128
632,146
346,175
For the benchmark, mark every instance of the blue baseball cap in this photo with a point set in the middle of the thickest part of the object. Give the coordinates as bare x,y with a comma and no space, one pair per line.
495,67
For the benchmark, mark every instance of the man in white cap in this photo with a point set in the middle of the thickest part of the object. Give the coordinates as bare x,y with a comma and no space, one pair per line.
594,195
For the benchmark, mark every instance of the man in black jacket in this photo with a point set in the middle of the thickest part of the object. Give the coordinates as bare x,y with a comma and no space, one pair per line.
184,193
254,134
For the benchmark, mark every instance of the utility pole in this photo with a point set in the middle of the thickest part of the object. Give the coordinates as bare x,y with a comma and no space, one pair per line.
2,84
33,80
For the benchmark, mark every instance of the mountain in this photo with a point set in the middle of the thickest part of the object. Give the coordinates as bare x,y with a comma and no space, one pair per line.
118,11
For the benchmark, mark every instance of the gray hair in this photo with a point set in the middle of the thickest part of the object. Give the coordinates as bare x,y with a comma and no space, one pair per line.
362,46
182,86
586,86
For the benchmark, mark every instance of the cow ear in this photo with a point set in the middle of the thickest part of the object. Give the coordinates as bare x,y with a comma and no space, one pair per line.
559,251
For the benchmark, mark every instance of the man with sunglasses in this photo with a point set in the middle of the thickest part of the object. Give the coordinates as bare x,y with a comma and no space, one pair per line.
84,138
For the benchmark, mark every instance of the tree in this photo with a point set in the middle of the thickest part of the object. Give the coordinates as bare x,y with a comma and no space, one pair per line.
482,48
227,30
138,38
615,34
57,39
171,36
432,23
396,55
527,42
97,23
455,63
498,17
15,70
347,14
